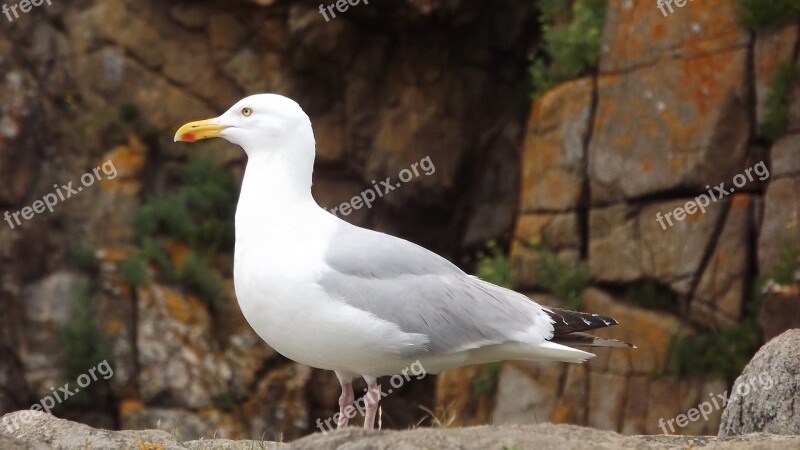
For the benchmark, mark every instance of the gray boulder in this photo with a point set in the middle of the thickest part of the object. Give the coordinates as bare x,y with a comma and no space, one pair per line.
26,430
766,396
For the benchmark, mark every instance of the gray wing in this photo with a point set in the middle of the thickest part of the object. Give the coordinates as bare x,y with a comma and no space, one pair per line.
423,293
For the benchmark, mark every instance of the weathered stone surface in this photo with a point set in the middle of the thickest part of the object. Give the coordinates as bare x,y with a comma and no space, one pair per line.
454,391
48,306
680,124
277,408
780,308
558,232
527,392
39,427
628,243
637,34
183,424
13,389
766,396
47,432
786,157
781,224
773,47
720,293
11,443
637,326
554,151
19,108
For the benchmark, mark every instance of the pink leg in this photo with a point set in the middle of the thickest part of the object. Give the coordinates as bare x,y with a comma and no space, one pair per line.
346,399
372,397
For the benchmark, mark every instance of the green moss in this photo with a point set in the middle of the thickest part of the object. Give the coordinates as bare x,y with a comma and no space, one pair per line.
572,38
83,255
722,351
153,251
133,271
565,281
484,382
224,402
651,294
787,265
776,118
197,275
84,344
200,214
492,265
129,112
757,14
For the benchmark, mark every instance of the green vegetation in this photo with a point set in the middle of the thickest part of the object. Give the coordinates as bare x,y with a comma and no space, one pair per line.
492,265
85,345
133,271
200,214
651,294
757,14
198,275
83,256
484,382
776,119
565,281
154,252
572,37
722,351
129,114
224,402
725,351
787,265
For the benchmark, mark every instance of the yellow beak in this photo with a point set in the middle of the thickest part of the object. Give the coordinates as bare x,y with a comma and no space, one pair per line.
195,131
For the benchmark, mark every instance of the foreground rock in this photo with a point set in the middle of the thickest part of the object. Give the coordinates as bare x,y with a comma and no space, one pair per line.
39,431
766,396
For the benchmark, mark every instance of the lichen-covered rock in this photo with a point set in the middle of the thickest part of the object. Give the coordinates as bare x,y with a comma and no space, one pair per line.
780,308
766,396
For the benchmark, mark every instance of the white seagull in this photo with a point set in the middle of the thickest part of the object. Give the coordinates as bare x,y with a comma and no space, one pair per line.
331,295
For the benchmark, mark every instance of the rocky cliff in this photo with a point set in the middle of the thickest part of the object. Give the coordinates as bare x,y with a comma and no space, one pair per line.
593,174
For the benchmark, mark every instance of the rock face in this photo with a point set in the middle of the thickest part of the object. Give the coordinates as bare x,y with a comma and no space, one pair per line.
385,86
766,397
44,432
674,106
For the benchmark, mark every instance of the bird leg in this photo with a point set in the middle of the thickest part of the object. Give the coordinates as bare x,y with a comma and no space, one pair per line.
371,398
345,400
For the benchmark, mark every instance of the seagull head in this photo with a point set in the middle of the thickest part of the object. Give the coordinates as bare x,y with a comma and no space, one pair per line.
259,123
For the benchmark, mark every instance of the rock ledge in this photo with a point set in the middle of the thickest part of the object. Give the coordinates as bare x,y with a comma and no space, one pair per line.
45,432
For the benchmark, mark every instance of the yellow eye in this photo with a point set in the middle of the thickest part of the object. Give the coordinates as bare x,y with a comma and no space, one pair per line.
246,112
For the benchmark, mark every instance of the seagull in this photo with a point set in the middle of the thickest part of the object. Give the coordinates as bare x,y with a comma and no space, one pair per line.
331,295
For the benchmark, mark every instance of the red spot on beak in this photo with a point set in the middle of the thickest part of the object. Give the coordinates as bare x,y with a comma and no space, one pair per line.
188,137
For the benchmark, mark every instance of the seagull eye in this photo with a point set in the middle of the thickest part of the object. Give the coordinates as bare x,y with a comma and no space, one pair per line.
246,112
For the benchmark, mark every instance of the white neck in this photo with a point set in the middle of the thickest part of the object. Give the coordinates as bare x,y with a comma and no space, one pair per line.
276,182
